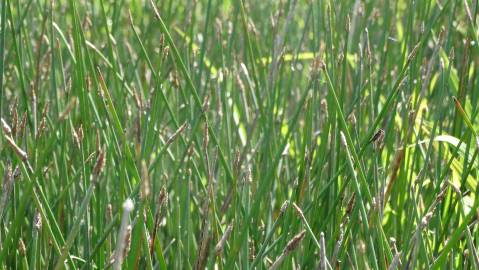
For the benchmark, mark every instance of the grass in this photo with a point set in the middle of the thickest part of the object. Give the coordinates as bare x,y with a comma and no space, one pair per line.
239,134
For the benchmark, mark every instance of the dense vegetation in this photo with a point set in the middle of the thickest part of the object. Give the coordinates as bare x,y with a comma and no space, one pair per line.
239,134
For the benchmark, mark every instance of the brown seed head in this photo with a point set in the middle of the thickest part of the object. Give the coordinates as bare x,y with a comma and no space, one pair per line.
294,243
298,210
163,197
21,248
100,163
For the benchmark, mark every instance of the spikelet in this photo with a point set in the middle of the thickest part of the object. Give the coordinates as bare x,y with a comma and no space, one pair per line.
23,125
43,123
298,210
71,104
37,221
175,135
337,247
221,244
14,114
290,247
22,250
99,164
